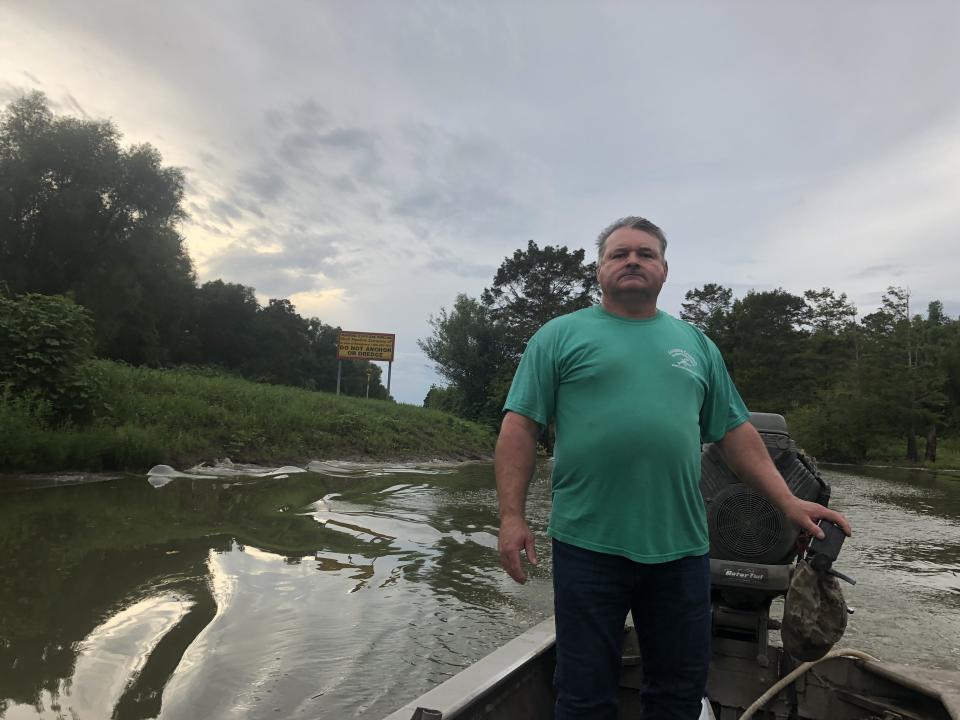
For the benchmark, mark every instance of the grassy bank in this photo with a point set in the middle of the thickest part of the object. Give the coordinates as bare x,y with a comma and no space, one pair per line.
180,418
893,450
881,451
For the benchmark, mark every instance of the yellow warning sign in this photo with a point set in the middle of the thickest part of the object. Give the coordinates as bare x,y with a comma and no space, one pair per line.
365,346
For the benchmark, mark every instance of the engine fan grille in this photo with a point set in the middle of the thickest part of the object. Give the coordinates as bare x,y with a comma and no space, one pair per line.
746,524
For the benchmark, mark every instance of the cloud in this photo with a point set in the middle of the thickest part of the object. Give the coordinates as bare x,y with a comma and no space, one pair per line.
75,106
10,92
882,270
281,265
327,201
464,188
321,304
884,219
208,228
224,211
444,263
266,186
209,159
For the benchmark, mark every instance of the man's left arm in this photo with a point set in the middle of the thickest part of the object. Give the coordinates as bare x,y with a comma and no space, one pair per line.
745,453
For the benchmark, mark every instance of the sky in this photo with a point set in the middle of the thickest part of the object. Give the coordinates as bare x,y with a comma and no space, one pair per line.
371,160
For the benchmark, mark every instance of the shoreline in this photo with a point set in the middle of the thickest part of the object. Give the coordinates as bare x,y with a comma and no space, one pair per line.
921,468
221,468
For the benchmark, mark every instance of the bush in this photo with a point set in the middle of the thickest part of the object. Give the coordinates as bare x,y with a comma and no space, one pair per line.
838,427
21,423
46,343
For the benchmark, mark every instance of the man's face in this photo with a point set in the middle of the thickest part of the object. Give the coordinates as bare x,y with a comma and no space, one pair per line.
632,264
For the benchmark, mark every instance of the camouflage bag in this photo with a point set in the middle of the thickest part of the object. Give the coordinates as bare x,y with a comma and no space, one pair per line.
814,614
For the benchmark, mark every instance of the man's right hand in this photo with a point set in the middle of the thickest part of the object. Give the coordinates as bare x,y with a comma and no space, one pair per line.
515,536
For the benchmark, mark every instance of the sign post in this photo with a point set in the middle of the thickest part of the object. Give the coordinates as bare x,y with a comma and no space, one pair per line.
365,346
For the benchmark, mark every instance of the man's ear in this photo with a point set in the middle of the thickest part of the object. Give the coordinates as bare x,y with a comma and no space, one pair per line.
666,270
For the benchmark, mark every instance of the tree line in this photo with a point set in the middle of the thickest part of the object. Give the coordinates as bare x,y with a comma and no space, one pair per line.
848,385
83,217
92,261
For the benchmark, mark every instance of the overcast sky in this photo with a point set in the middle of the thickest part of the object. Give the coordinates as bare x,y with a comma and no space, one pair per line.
370,160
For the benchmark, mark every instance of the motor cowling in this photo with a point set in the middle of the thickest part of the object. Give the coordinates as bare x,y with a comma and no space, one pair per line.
744,525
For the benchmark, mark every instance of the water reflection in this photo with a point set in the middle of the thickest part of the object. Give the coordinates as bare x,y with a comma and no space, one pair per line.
906,557
206,594
349,589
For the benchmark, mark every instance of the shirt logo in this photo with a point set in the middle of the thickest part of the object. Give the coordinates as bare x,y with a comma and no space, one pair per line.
683,360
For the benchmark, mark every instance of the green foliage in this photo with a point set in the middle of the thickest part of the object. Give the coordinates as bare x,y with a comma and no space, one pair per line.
23,420
182,418
225,318
708,309
839,425
469,349
477,344
448,399
763,348
902,367
80,214
535,285
827,313
45,343
847,387
274,344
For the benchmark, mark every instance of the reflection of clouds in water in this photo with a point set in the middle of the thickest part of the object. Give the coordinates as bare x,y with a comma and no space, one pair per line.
114,653
293,634
397,587
399,519
402,488
244,654
109,660
223,586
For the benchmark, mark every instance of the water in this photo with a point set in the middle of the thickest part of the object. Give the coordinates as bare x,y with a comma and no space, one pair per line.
348,590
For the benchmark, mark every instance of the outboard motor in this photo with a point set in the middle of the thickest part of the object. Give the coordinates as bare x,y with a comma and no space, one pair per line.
752,543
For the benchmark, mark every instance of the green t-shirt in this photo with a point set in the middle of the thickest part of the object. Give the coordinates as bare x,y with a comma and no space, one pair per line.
632,401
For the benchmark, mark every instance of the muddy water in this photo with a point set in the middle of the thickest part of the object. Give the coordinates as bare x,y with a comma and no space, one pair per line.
348,590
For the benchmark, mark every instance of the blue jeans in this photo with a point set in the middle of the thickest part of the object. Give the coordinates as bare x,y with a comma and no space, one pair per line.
671,610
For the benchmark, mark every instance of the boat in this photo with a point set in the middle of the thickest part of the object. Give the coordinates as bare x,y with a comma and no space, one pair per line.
515,683
754,554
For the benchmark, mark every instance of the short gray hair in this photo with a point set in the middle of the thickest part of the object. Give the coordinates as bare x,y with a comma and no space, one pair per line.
634,222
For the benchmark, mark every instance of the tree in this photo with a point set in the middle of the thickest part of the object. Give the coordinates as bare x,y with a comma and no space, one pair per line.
833,339
477,345
226,316
934,335
288,349
536,285
708,308
827,313
839,424
82,216
469,350
903,369
448,399
765,350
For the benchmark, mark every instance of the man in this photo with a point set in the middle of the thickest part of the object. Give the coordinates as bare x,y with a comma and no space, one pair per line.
633,392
